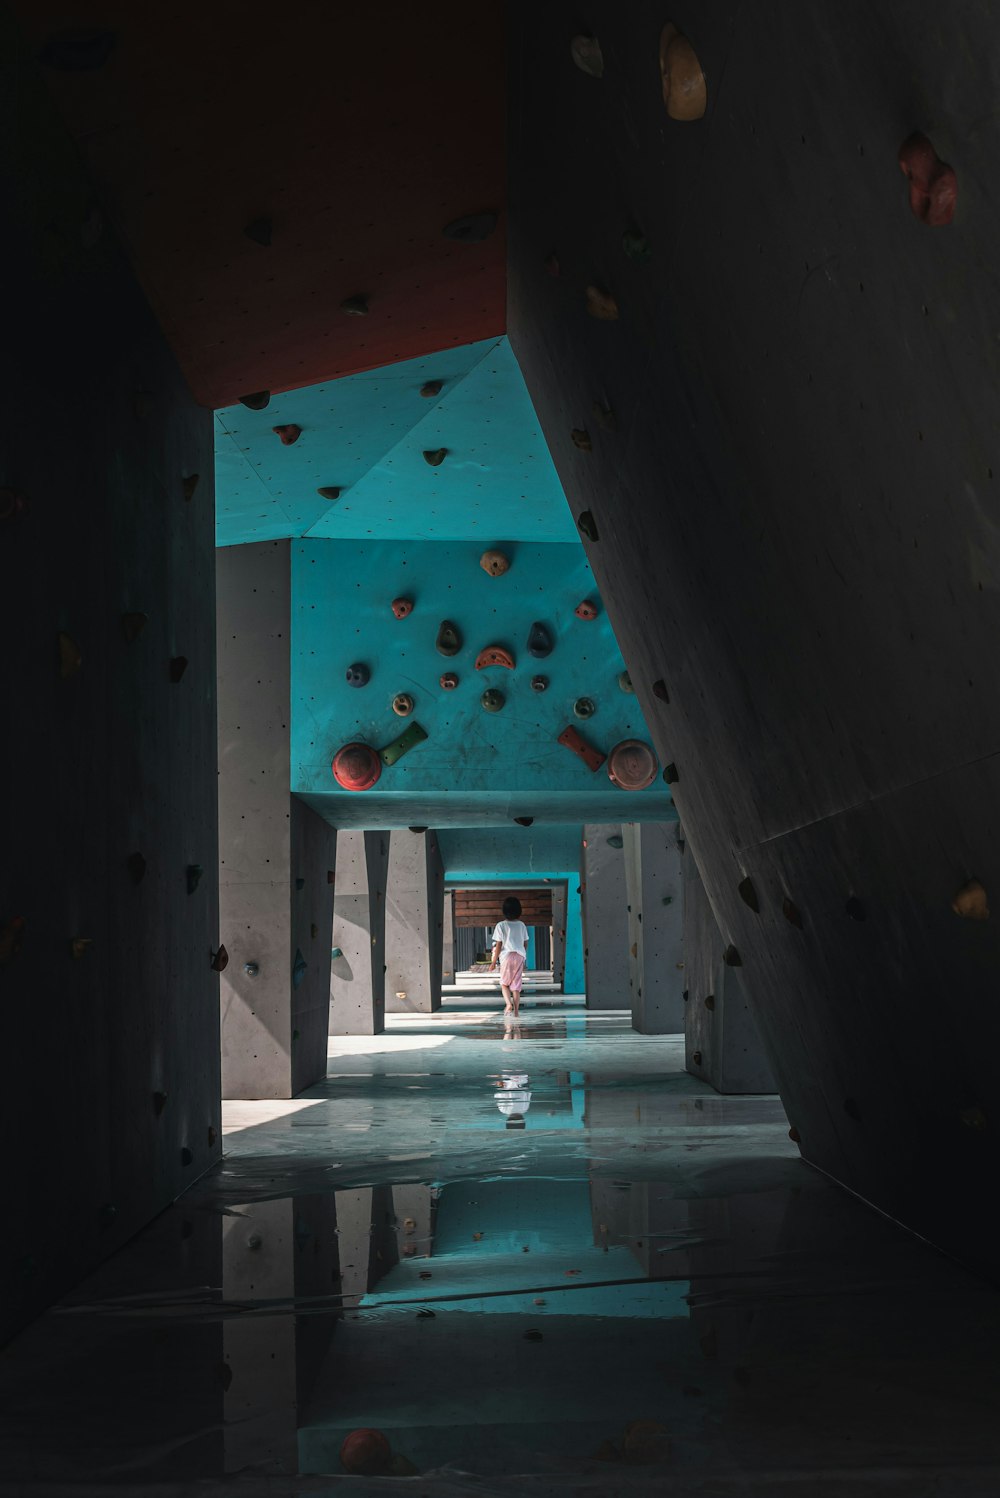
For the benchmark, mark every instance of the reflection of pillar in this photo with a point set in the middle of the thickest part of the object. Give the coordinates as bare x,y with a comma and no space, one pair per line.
366,1228
448,943
275,902
414,1206
558,934
357,974
656,926
414,923
605,917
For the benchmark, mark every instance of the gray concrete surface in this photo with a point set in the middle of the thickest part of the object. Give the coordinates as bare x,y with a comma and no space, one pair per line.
414,923
604,909
655,894
357,973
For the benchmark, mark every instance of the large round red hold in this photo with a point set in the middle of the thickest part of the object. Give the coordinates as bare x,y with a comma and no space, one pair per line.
356,767
366,1452
631,765
933,184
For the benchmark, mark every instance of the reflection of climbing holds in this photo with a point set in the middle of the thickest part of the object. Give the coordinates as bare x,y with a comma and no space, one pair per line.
78,49
288,432
365,1452
495,563
11,937
585,609
748,894
407,740
604,416
133,625
220,959
581,439
632,765
587,525
584,707
855,908
472,228
933,184
192,875
971,902
625,682
731,957
257,401
539,641
299,967
330,491
601,304
539,683
791,912
670,774
449,641
355,306
402,704
188,485
660,691
70,658
615,840
178,665
357,675
259,230
80,946
592,758
431,388
524,821
356,767
684,93
606,1452
494,655
402,607
492,700
435,456
636,245
136,865
448,682
586,53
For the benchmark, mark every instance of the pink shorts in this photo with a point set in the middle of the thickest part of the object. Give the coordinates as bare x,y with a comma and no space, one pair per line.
512,971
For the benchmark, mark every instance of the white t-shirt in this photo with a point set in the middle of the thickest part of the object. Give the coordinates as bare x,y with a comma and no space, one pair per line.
512,936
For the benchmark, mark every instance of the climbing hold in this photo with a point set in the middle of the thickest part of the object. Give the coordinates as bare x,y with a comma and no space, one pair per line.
330,492
684,93
220,959
584,707
660,691
748,894
355,306
133,626
186,1156
335,952
257,401
731,957
710,1001
189,484
288,433
615,840
80,946
136,865
586,53
696,1058
492,700
402,704
365,1452
533,1335
524,821
971,902
794,1135
587,525
631,765
973,1118
933,184
251,969
494,655
259,230
601,304
331,876
625,682
448,681
402,607
357,675
592,758
539,641
495,563
178,665
449,641
417,831
299,967
313,930
581,439
855,909
356,767
636,245
407,740
431,388
435,456
586,609
12,504
791,912
78,49
472,228
70,658
193,874
539,683
670,774
11,936
552,265
604,416
159,1102
646,1442
212,1136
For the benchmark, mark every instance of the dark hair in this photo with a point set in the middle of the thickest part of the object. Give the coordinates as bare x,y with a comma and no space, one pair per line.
512,908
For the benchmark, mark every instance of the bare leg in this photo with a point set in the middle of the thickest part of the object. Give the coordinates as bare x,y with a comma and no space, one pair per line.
506,998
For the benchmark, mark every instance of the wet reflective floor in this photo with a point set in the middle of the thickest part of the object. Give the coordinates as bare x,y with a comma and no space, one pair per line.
537,1259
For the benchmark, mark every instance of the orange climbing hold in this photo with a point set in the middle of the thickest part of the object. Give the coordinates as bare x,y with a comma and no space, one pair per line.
495,563
402,607
288,432
971,902
586,609
572,739
356,767
365,1452
601,304
933,184
685,96
494,655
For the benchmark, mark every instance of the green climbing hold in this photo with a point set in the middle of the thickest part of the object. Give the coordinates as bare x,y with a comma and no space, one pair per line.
394,752
449,641
298,968
335,952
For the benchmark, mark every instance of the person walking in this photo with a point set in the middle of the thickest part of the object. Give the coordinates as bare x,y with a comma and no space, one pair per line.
510,949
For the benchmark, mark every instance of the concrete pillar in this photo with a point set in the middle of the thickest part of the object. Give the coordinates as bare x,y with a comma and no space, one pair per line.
573,975
357,973
275,905
414,923
655,926
721,1042
558,934
605,917
448,943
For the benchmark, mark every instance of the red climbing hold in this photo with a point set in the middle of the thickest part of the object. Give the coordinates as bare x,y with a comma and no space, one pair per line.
365,1452
933,184
401,607
586,610
431,388
494,655
356,767
592,758
288,432
448,682
632,765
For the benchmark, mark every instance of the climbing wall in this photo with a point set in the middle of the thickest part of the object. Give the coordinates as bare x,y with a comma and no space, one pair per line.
108,911
793,525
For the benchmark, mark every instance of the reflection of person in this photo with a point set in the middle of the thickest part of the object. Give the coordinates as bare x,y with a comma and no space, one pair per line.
510,948
515,1099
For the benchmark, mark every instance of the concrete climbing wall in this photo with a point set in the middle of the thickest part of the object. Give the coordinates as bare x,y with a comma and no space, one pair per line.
655,892
796,534
357,968
604,912
111,1091
414,923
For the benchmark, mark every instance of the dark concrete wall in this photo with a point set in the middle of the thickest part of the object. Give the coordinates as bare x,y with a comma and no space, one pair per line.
113,760
604,912
797,522
314,856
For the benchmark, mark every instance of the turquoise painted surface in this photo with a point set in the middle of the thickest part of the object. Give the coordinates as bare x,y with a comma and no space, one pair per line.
367,434
544,851
573,979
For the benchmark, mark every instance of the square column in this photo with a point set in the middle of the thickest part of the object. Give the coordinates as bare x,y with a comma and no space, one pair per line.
655,926
357,973
558,934
275,905
414,924
605,917
448,952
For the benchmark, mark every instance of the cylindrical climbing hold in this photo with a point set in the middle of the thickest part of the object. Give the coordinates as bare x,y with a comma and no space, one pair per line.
356,767
402,704
408,739
592,758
